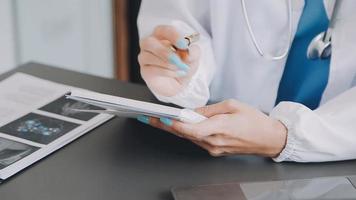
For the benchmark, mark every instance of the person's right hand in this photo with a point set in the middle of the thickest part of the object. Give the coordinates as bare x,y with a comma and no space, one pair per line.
164,72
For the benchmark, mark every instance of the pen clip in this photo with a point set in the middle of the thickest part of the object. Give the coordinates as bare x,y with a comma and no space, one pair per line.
192,38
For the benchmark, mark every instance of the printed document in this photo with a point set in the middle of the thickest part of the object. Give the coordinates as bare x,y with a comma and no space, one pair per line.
36,119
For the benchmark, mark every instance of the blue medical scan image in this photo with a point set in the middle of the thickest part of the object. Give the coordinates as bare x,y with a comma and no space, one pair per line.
64,107
11,151
38,128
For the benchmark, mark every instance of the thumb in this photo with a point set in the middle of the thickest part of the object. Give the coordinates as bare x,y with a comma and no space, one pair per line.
224,107
193,55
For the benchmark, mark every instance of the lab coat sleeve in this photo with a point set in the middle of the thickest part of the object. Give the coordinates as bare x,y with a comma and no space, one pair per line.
325,134
188,17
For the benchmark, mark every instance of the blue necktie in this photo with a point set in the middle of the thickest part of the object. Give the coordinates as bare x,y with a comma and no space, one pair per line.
304,80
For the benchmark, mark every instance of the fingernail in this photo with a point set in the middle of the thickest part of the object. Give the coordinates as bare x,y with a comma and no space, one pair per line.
181,73
182,44
174,59
166,121
143,119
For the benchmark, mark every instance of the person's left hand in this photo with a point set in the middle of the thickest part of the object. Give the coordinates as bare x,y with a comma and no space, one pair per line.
231,128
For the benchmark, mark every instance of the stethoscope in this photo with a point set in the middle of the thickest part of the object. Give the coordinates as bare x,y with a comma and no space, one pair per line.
319,47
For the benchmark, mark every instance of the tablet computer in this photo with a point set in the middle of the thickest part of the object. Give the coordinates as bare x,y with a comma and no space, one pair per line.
332,188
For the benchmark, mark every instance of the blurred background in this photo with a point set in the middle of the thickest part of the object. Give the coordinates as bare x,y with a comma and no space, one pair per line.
96,37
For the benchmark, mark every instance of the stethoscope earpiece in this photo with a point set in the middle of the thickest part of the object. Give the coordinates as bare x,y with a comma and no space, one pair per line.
318,48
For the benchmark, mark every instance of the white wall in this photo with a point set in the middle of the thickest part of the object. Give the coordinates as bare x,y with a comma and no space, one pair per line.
7,41
73,34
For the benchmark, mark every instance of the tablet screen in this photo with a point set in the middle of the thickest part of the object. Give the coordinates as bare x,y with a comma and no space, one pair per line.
319,188
331,188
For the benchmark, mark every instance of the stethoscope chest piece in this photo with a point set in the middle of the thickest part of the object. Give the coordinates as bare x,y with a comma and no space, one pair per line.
319,48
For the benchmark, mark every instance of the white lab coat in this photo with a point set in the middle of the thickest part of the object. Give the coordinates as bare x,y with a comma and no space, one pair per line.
230,67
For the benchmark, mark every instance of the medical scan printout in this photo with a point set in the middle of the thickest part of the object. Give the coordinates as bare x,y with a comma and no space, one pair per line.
36,119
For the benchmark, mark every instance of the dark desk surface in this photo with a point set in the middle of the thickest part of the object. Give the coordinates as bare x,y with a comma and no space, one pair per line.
124,159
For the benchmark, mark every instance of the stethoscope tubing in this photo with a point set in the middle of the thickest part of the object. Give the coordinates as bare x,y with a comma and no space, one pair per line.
326,39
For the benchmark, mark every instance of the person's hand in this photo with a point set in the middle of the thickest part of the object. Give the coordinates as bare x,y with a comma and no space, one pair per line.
231,128
163,70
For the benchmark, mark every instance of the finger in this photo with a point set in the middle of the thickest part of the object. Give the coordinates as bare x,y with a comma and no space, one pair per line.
155,122
194,54
191,131
167,44
165,32
162,85
224,107
217,151
168,125
159,71
154,46
213,151
147,59
216,148
221,140
195,131
224,150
